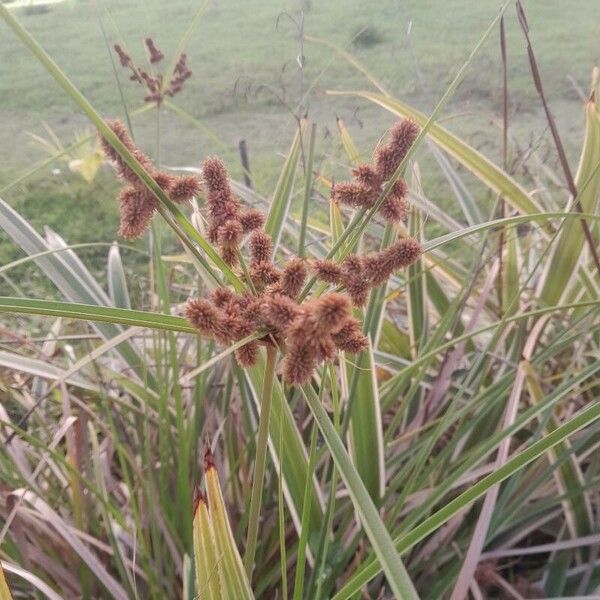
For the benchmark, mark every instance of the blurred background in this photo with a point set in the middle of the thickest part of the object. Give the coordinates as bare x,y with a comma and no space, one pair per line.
256,67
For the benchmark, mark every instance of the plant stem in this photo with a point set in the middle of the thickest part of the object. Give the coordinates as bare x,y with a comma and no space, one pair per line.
259,464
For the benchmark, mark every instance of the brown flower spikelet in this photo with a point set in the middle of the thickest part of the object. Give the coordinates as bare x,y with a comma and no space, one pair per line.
229,235
203,315
387,158
329,312
293,277
328,271
367,175
251,219
298,364
260,246
123,170
381,265
247,355
136,209
185,188
222,297
279,312
229,256
350,338
215,175
264,273
356,195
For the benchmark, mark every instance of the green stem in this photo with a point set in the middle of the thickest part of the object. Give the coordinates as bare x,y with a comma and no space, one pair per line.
259,464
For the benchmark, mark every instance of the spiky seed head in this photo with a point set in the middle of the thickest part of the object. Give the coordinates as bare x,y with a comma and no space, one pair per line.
367,175
403,253
352,266
229,235
279,312
222,297
164,181
298,364
376,268
247,355
215,174
229,256
353,194
184,188
203,315
327,270
260,246
251,219
394,209
293,277
136,210
350,338
264,273
329,312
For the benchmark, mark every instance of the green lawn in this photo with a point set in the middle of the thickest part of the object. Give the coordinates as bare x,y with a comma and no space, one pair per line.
244,58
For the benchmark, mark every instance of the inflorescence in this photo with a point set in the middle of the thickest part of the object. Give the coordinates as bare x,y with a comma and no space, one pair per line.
156,91
137,203
271,309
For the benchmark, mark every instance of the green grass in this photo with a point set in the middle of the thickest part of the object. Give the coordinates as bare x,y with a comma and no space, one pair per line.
233,45
234,52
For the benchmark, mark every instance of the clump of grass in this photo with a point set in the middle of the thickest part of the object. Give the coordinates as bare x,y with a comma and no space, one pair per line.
367,36
379,387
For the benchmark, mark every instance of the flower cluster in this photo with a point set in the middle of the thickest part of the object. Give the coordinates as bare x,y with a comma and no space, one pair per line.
358,274
271,311
308,333
369,179
228,222
154,82
137,203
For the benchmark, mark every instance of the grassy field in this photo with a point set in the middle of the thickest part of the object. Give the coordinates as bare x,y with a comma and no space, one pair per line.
234,52
247,81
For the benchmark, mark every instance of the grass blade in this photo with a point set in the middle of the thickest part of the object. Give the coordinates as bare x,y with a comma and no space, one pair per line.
4,591
117,283
282,196
207,576
379,537
260,459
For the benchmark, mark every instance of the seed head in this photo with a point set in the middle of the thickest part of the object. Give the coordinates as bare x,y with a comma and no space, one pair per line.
298,364
279,312
367,175
260,246
185,188
165,181
387,158
394,209
293,277
329,312
137,208
203,315
251,219
247,355
229,256
215,175
353,194
403,253
229,235
264,273
328,271
222,297
350,338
